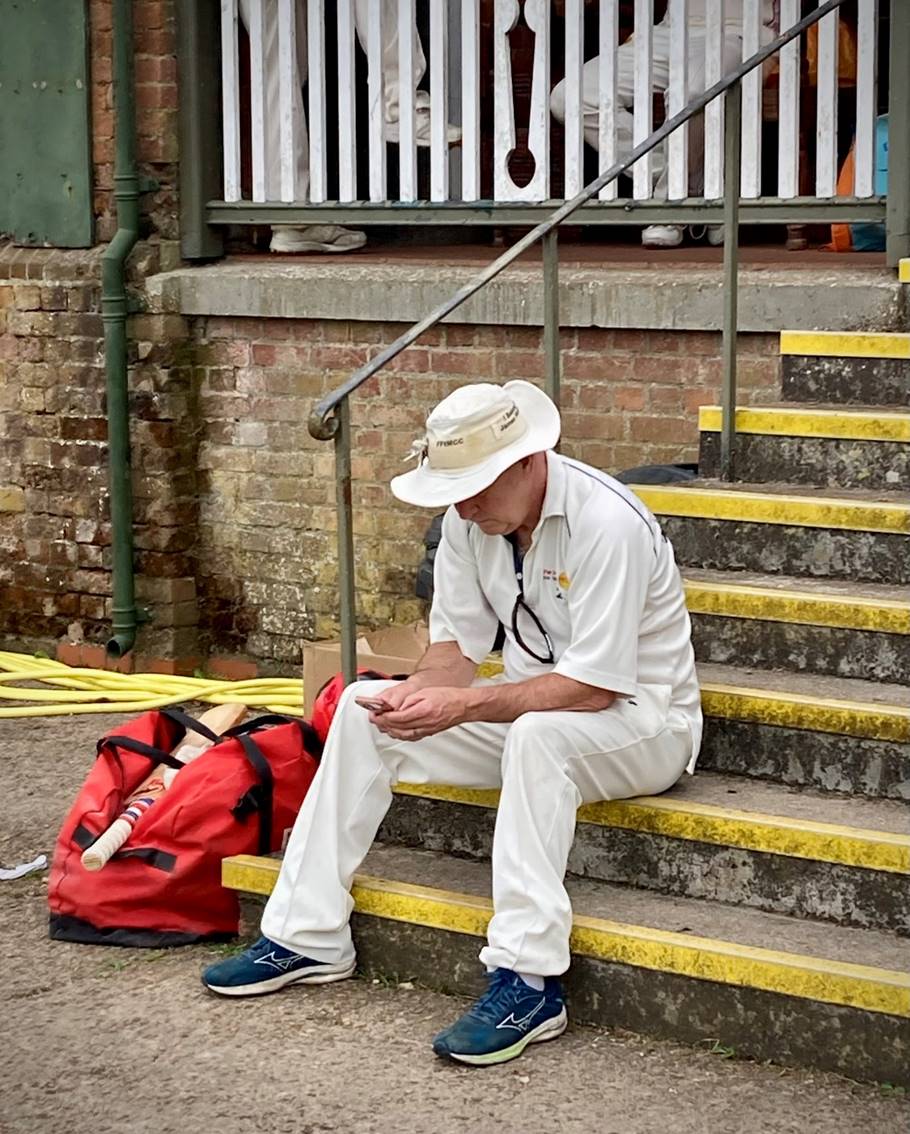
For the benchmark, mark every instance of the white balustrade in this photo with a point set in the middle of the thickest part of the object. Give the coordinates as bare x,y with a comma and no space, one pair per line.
307,158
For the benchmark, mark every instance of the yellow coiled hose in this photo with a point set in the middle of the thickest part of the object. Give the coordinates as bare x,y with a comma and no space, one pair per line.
77,690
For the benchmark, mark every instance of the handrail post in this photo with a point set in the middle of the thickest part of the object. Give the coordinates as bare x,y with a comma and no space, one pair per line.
897,217
732,159
551,354
346,592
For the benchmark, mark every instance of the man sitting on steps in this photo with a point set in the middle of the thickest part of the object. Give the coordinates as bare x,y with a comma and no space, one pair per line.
599,700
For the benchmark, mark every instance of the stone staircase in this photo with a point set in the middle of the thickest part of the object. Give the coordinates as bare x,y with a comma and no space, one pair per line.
764,904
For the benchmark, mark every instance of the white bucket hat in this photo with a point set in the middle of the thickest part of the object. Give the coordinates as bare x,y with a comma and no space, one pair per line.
472,437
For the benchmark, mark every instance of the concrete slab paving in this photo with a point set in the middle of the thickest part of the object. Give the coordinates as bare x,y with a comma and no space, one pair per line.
99,1040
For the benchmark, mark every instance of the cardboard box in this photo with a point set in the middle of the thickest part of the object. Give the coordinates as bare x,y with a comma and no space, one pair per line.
396,649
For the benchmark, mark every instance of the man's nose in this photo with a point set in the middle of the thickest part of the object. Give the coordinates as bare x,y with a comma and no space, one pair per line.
466,508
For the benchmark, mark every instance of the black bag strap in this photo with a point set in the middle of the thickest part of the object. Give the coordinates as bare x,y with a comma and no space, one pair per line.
266,720
261,795
140,748
190,724
311,741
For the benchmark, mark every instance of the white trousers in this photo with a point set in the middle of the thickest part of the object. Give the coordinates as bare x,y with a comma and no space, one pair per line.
660,81
391,83
546,764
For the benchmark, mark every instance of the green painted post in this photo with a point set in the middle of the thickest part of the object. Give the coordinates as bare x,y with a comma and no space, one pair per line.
898,209
346,593
732,148
199,125
551,314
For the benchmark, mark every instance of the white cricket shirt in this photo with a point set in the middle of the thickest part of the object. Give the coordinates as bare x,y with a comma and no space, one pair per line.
601,578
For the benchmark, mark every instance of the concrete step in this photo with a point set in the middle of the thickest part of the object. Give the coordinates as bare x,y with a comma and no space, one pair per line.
805,730
849,367
840,859
827,446
770,986
823,626
785,529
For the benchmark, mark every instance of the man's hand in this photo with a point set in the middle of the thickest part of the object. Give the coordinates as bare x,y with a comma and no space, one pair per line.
422,712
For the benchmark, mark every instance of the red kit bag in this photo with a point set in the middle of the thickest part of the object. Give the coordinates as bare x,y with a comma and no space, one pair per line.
163,887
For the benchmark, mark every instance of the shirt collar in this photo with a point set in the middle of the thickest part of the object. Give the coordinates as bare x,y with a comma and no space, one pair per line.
554,501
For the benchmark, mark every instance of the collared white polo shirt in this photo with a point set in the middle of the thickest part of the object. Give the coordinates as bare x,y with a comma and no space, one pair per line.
599,575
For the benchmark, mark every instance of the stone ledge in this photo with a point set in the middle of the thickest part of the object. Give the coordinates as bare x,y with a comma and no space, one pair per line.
682,298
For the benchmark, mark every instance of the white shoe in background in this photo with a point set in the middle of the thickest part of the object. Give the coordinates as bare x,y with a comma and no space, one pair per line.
662,236
316,238
422,129
715,234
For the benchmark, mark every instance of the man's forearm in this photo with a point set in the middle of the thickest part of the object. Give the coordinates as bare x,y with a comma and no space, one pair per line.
443,664
551,692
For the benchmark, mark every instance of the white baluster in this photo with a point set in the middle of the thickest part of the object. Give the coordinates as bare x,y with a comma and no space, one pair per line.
826,125
714,111
505,16
641,98
230,100
316,89
287,97
678,96
866,89
439,108
347,136
257,97
376,106
537,16
606,72
788,105
574,138
470,100
407,150
752,102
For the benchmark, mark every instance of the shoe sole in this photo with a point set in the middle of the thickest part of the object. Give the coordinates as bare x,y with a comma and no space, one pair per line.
315,246
549,1030
327,974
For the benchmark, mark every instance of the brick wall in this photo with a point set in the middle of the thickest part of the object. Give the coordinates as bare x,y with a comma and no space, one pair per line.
235,519
266,551
155,70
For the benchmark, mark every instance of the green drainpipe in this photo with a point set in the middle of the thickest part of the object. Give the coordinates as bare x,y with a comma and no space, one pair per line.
113,314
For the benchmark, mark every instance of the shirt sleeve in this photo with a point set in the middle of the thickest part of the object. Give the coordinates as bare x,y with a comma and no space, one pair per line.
610,562
460,612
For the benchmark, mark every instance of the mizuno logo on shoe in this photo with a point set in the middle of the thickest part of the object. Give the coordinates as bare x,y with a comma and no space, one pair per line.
522,1024
280,963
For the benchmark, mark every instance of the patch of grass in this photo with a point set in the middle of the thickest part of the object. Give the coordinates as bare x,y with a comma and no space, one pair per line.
717,1048
228,948
117,964
892,1091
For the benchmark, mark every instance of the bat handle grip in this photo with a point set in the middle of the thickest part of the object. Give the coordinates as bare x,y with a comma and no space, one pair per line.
106,845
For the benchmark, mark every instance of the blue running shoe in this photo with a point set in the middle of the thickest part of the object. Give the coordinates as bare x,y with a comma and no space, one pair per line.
266,967
502,1023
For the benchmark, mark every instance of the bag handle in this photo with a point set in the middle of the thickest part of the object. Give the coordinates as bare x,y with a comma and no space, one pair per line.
311,740
190,724
140,748
261,795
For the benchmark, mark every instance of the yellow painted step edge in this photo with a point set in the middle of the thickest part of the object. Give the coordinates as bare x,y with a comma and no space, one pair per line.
774,508
868,720
846,344
810,608
783,422
903,271
700,958
708,823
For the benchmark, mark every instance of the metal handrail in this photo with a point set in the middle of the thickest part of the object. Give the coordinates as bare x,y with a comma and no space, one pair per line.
323,427
330,419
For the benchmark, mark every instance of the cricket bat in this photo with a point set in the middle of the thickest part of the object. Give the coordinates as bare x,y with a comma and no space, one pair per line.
218,719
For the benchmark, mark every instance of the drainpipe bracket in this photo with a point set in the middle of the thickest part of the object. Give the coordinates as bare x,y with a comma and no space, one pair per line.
149,184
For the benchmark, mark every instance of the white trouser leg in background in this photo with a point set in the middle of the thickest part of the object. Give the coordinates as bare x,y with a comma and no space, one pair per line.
660,80
272,110
547,763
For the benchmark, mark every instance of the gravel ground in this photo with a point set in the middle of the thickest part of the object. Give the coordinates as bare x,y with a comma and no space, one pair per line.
99,1040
